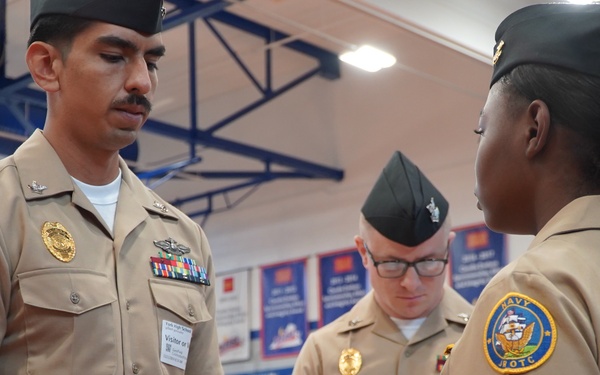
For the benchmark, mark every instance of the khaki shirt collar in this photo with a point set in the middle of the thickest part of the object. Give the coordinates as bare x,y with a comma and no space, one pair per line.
452,308
367,312
580,214
37,161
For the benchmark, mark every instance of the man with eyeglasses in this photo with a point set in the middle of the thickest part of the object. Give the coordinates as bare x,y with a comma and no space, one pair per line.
404,324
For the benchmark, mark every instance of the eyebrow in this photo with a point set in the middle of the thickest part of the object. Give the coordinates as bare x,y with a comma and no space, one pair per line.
425,257
115,41
392,258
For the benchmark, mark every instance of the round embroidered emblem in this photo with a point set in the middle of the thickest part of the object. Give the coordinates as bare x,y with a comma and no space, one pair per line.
519,335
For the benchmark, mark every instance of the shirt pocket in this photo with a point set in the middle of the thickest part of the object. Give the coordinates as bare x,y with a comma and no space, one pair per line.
70,318
181,304
184,304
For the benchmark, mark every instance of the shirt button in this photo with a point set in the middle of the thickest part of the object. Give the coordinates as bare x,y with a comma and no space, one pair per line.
135,368
127,305
191,310
408,352
75,298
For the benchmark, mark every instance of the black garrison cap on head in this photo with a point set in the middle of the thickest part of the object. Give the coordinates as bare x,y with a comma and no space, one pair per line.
562,35
141,15
404,206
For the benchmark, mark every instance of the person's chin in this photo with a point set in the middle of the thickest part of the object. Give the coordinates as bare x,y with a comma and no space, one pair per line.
411,309
124,137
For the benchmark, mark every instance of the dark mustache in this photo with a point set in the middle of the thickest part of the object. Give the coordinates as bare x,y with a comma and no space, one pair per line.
133,99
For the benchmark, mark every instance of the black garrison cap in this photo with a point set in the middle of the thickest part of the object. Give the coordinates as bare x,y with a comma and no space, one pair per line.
404,206
562,35
141,15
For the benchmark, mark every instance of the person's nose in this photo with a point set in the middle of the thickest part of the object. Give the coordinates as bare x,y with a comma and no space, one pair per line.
411,279
139,79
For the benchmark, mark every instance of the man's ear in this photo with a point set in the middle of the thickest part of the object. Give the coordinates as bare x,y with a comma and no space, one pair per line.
44,62
538,128
451,237
360,246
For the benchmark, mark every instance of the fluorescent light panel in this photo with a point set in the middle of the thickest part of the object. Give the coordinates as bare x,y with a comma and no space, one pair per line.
368,58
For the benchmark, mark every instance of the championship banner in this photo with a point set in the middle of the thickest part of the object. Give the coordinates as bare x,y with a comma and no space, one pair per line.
343,281
284,320
477,254
233,327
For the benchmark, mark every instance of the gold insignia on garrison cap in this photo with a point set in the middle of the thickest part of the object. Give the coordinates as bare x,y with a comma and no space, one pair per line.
498,52
58,241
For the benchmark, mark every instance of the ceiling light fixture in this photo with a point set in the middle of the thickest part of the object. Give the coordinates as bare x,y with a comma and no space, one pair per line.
365,57
368,58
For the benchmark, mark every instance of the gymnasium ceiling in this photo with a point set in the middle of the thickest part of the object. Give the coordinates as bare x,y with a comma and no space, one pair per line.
205,158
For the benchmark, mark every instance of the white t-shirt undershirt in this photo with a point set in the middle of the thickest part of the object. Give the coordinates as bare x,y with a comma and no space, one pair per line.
103,197
408,326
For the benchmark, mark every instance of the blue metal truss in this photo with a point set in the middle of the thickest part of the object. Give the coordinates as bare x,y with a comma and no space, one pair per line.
22,109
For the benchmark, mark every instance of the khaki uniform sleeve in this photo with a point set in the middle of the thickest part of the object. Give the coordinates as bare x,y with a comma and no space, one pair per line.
309,360
575,350
5,285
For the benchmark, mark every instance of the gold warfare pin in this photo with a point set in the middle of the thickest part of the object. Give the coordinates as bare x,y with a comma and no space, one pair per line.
58,241
498,52
350,362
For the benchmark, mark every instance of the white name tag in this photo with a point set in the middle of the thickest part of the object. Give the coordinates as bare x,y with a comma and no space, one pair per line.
175,344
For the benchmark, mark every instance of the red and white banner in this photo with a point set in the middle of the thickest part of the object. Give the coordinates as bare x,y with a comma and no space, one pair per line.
233,326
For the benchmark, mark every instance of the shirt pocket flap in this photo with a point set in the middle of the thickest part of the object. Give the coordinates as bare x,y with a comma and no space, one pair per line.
68,290
184,301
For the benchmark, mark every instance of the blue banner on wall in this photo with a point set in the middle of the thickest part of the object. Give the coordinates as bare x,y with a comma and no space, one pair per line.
477,254
284,320
343,282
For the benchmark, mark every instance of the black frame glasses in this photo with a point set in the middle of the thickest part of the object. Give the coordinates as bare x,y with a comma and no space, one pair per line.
391,269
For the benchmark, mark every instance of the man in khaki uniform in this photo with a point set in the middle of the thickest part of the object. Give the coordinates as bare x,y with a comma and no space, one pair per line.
98,275
405,323
538,172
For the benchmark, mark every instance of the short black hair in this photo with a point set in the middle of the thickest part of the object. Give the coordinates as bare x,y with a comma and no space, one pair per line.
58,30
573,100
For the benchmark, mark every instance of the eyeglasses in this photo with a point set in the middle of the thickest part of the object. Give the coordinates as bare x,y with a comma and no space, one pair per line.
391,269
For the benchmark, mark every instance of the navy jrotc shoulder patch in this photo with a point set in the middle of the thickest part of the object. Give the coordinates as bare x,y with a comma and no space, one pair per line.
519,336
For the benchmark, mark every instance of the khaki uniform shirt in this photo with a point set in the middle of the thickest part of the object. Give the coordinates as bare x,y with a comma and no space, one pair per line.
554,290
382,346
103,311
